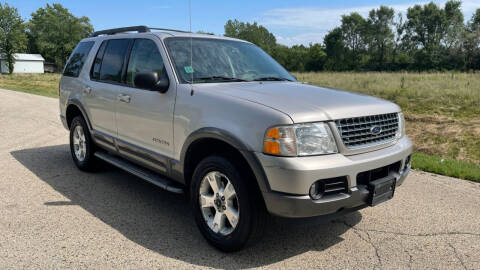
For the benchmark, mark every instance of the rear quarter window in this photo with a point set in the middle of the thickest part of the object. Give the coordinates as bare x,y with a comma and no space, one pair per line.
77,59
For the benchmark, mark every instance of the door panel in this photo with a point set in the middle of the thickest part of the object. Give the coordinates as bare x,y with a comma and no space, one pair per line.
101,94
101,102
145,118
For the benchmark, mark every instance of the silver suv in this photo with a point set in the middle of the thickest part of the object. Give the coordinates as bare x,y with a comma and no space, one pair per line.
218,119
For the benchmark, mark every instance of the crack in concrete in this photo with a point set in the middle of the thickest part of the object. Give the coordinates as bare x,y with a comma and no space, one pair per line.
458,256
410,258
376,250
410,261
368,241
409,234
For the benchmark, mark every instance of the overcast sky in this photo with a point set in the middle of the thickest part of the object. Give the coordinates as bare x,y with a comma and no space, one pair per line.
292,22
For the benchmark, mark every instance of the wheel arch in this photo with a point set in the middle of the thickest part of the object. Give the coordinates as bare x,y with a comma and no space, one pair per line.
215,140
75,108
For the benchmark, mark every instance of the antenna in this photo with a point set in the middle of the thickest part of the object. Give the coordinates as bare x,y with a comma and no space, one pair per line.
191,46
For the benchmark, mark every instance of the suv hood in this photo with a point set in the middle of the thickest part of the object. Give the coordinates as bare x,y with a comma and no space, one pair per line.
305,103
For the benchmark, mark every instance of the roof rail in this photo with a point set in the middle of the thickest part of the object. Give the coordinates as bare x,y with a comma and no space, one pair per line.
169,30
139,29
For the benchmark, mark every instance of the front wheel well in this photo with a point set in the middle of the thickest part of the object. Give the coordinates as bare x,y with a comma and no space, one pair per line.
203,148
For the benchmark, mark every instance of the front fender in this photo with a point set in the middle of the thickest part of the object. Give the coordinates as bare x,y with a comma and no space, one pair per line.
229,138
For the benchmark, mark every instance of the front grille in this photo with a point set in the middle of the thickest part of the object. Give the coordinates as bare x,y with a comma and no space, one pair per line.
366,177
357,132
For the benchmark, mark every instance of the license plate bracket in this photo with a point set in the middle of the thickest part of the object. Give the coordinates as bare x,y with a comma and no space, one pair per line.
381,190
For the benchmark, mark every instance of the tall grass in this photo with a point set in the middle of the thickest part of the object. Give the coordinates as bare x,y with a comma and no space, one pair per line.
453,95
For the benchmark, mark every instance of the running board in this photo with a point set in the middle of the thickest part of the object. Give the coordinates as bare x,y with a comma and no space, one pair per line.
138,171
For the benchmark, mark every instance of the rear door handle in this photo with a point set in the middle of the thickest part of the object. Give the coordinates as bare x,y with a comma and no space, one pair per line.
87,90
124,98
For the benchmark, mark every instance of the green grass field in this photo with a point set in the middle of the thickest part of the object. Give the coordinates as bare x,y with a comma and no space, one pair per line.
40,84
442,110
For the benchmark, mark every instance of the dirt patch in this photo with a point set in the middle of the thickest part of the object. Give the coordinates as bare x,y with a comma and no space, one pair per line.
445,137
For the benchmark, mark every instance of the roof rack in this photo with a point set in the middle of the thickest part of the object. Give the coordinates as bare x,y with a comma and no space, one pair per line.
139,29
169,30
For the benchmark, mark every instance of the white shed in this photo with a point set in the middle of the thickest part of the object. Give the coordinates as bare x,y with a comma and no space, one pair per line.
24,63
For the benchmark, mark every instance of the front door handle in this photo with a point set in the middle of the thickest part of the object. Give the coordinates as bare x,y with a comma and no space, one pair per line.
124,98
87,90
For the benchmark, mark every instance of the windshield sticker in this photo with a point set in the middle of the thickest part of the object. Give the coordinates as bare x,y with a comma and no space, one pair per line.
188,69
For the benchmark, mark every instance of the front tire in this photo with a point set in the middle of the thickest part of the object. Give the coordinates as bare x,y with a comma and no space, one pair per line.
82,147
227,210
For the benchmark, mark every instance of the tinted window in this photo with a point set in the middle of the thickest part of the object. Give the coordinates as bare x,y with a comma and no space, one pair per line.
77,59
144,57
112,63
97,63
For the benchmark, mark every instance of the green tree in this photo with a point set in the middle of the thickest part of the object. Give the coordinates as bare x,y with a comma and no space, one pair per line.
316,57
251,32
400,59
475,21
452,41
55,32
12,34
424,26
335,49
435,32
381,37
353,30
471,42
298,58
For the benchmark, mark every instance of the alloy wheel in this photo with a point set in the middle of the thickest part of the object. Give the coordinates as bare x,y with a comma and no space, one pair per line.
79,143
219,203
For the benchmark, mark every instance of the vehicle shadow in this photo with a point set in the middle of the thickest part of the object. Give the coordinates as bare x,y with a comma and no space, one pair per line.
162,221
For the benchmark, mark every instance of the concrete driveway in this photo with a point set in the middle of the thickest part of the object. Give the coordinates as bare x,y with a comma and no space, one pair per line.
54,216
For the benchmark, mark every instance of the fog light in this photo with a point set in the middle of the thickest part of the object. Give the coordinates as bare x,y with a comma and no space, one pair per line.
317,190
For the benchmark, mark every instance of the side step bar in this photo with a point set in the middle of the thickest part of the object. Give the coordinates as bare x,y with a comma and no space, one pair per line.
138,171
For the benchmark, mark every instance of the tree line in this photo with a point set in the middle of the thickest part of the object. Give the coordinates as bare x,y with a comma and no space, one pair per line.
52,32
427,37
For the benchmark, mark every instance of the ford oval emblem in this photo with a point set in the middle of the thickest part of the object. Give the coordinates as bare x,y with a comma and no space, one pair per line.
375,130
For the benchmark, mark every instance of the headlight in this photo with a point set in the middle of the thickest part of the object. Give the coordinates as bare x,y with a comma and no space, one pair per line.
401,126
300,140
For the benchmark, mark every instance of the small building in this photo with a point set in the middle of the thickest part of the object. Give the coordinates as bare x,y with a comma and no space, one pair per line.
24,63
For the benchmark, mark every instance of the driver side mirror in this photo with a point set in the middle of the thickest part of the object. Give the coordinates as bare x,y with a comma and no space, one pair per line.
150,81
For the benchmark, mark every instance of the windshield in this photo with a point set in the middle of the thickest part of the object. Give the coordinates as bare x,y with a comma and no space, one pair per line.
217,60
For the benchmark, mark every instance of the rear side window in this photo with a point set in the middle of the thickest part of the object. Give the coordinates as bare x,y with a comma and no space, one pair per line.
97,63
77,59
112,63
145,56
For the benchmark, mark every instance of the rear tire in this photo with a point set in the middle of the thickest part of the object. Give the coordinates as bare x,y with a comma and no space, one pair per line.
82,147
238,209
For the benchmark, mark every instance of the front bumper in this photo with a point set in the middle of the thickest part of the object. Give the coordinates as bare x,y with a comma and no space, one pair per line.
290,179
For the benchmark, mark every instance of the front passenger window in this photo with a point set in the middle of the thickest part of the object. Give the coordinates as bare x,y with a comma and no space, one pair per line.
111,67
145,57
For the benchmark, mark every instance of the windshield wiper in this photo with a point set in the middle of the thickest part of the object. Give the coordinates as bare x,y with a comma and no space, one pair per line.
220,78
272,79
